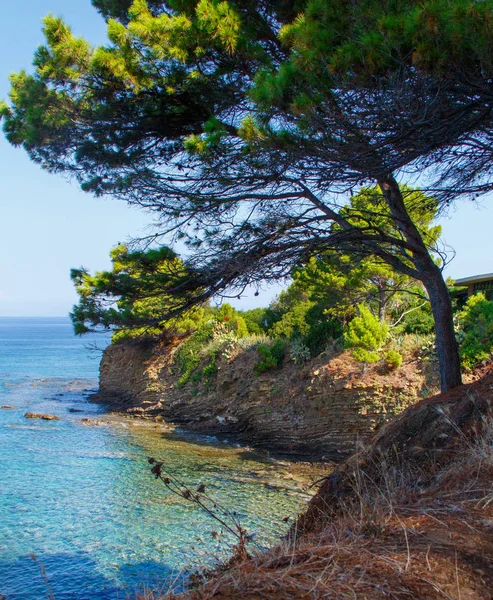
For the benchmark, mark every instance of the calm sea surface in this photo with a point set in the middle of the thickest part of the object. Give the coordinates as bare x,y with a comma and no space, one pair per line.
81,498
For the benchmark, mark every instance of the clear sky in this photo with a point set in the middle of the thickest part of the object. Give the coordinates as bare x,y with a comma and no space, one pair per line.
47,225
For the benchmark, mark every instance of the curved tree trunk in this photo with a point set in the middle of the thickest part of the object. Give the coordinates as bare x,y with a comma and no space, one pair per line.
431,277
447,347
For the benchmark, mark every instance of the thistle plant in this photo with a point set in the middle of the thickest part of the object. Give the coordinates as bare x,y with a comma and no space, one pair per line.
227,518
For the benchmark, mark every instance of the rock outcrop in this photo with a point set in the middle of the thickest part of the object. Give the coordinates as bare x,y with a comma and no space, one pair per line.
44,417
319,410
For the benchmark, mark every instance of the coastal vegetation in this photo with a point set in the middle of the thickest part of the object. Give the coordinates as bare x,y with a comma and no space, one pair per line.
277,142
244,126
334,301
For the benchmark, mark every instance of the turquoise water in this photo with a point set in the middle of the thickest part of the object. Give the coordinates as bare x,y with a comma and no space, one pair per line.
81,497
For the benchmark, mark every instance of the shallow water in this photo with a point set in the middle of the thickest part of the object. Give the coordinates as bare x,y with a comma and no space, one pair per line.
81,498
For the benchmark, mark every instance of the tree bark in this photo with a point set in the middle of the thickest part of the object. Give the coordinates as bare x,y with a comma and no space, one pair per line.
431,277
382,303
447,347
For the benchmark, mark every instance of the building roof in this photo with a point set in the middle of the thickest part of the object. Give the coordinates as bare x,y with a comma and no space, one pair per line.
474,279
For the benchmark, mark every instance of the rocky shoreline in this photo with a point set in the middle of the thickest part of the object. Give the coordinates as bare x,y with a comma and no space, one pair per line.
318,411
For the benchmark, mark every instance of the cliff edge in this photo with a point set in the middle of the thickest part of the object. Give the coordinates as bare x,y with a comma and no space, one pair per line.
320,409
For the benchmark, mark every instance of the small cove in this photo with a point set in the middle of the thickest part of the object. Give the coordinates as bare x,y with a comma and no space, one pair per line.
81,497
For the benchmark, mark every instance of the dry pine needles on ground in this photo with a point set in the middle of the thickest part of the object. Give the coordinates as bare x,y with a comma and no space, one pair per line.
409,517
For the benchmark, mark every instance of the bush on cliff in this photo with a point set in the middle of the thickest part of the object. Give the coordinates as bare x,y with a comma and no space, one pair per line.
365,336
393,360
271,356
220,333
475,331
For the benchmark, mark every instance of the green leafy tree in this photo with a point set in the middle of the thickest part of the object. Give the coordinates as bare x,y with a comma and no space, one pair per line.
476,331
271,356
293,323
256,320
242,124
339,281
294,316
365,335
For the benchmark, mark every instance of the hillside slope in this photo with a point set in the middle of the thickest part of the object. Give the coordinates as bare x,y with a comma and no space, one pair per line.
410,516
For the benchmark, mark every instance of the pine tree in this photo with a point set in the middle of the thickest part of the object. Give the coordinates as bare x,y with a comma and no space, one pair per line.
246,126
365,336
133,299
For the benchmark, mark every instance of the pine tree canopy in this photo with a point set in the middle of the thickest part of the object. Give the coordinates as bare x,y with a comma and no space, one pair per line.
246,125
305,80
208,112
133,299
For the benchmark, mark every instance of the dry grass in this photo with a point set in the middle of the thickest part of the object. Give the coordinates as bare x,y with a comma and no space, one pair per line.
408,523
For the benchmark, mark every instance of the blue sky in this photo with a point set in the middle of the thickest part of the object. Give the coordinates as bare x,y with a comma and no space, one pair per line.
47,225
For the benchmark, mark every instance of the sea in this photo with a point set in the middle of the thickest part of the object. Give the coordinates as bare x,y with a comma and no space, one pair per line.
81,515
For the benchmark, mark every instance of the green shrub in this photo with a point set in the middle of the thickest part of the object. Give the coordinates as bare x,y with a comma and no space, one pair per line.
196,377
365,336
419,321
278,350
428,348
255,320
475,331
299,352
267,361
253,340
293,322
321,334
223,342
210,369
271,357
393,360
211,338
188,355
238,326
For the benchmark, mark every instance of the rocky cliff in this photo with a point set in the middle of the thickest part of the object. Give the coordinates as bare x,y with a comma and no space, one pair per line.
320,409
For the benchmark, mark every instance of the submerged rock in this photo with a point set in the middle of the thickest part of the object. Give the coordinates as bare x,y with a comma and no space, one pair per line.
31,415
94,422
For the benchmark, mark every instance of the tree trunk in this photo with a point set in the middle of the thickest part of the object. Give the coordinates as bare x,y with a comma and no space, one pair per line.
382,303
447,347
431,277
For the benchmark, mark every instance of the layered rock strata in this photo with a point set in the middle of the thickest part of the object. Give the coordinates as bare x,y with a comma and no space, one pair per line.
321,409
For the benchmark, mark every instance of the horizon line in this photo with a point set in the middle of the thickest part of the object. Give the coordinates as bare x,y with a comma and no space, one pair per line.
34,316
